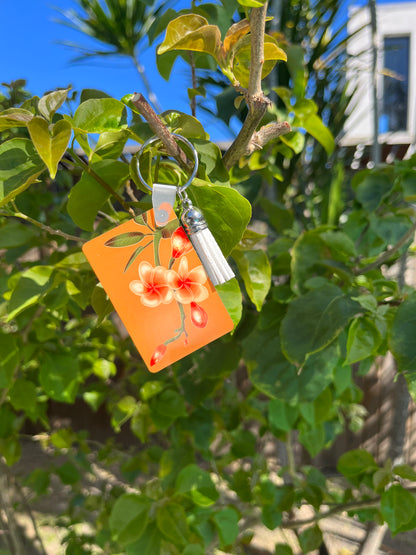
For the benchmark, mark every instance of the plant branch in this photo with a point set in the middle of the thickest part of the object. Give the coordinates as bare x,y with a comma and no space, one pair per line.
42,226
248,140
160,129
386,255
343,507
194,83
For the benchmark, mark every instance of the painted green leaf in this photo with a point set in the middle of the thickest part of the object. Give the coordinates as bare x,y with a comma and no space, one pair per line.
88,196
197,484
125,239
226,522
51,141
20,166
171,521
254,268
60,377
191,32
226,212
397,506
314,320
51,102
363,340
14,117
99,115
232,298
129,518
402,335
242,58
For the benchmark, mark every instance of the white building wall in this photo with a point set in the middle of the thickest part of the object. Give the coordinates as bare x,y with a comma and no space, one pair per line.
395,19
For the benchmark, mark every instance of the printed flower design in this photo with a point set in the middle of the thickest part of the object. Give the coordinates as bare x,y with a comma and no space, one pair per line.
152,287
180,243
199,317
158,354
188,286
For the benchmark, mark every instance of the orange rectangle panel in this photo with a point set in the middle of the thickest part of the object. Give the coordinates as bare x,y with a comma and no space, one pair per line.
159,289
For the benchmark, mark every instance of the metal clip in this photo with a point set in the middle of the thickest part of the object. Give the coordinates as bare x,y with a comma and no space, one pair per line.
163,200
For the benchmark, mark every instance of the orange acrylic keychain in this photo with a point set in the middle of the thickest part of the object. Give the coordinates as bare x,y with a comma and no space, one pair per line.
156,281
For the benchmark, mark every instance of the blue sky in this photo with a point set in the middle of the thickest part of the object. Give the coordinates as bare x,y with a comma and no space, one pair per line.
31,51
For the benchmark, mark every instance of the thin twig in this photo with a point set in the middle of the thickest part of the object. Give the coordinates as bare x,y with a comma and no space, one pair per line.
386,255
343,507
31,516
160,129
194,83
256,101
42,226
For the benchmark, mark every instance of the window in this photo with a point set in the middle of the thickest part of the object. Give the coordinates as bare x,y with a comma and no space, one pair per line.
395,84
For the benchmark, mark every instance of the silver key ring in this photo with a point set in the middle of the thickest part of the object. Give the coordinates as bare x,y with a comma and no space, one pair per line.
179,137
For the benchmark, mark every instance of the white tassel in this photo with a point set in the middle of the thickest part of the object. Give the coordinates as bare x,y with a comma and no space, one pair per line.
214,262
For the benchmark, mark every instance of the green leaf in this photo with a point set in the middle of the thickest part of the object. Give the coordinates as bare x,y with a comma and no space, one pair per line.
356,462
23,396
14,117
32,285
129,518
111,144
191,32
226,212
296,67
20,166
88,196
197,484
50,141
98,115
282,416
189,127
363,340
254,267
171,521
252,3
193,549
60,377
150,389
9,358
307,251
232,298
314,320
103,368
310,539
282,549
371,187
402,335
313,439
226,522
397,506
14,234
148,544
68,473
315,127
169,403
405,471
242,58
51,102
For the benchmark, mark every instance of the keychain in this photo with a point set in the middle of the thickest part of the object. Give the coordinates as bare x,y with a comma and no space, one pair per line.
160,276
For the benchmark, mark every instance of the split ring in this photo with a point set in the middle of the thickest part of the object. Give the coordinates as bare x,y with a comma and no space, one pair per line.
180,138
